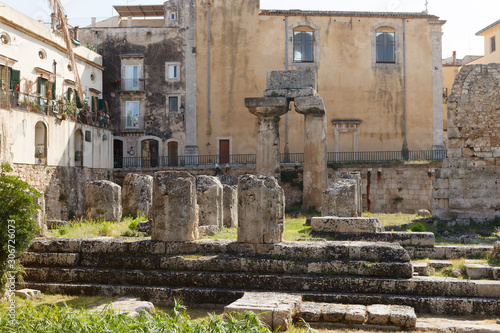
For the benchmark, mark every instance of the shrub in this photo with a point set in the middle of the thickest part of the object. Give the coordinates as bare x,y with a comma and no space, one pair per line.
417,227
17,226
105,229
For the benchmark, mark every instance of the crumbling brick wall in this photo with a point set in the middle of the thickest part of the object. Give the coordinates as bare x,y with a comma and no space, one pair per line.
468,183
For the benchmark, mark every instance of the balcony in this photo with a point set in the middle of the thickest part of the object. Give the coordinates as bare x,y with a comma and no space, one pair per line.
132,85
61,108
131,124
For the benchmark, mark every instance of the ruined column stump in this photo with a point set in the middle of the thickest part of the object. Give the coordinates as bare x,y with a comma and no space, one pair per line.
209,198
174,210
261,210
103,200
343,197
230,206
268,110
315,155
39,217
137,194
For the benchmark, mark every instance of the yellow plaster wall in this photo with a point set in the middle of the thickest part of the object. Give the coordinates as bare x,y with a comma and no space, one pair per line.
245,45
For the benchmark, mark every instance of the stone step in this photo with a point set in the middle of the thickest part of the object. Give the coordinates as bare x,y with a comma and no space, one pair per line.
165,295
441,252
419,239
376,314
330,250
440,264
421,268
417,286
480,271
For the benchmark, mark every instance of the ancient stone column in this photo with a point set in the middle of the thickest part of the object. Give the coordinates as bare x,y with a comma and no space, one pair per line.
174,210
261,210
268,110
209,198
137,194
230,206
103,200
315,175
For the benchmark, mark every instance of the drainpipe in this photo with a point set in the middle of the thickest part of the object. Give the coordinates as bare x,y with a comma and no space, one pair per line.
405,143
286,68
208,91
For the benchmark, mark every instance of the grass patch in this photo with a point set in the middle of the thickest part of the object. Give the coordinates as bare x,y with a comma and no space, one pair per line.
56,313
94,228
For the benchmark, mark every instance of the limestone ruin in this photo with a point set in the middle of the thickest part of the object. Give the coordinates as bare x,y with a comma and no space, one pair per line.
137,194
230,206
261,210
283,87
343,197
103,200
174,209
209,198
467,185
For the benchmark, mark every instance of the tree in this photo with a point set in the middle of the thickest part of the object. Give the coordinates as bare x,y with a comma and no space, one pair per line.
17,226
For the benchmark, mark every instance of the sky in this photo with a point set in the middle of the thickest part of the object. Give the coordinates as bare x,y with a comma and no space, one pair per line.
464,17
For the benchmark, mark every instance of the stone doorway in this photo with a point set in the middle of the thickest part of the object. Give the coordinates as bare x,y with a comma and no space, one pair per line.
118,153
149,153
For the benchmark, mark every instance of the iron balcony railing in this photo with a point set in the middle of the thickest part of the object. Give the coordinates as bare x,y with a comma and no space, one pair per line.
59,108
291,158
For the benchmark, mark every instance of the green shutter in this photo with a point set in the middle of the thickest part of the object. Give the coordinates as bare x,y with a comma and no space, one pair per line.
68,94
15,79
39,85
54,90
79,103
101,104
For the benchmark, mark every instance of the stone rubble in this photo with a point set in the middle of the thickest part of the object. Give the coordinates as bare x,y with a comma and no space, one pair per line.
28,293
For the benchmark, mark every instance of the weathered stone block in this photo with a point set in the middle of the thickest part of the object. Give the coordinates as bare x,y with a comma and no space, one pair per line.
137,194
127,305
103,200
477,272
28,293
174,210
230,206
292,79
378,314
333,312
355,314
341,199
346,224
209,198
310,312
403,316
261,210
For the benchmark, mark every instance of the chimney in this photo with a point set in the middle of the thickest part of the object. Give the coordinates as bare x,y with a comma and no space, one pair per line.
53,21
76,33
93,22
454,57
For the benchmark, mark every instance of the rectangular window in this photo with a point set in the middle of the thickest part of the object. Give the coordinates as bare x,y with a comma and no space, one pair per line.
172,15
173,72
493,44
386,47
303,42
132,115
173,103
132,77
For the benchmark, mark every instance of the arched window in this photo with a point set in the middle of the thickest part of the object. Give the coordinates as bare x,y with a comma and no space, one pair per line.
303,44
41,142
385,45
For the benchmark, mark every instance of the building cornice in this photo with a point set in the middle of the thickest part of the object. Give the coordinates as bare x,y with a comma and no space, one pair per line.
47,41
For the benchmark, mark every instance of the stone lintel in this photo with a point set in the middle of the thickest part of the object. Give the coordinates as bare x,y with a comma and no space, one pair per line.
292,79
267,106
290,93
311,105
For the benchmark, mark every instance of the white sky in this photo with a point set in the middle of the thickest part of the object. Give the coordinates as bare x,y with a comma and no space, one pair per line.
464,17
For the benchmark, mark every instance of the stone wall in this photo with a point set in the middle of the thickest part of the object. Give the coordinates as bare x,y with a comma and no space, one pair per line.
393,188
63,187
467,185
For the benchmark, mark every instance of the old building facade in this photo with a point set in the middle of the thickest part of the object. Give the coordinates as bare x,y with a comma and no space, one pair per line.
378,73
150,81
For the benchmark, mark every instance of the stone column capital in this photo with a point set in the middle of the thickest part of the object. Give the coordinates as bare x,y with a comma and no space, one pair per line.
310,105
267,106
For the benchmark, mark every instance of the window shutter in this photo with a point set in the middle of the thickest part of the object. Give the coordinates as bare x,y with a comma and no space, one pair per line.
79,103
15,79
101,104
39,85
